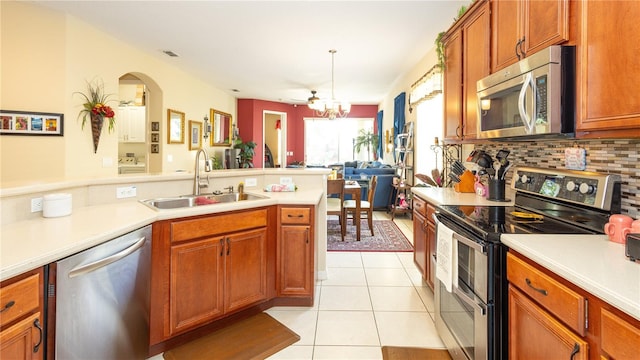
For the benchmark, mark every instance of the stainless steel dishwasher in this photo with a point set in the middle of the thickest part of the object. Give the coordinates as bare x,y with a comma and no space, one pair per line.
102,300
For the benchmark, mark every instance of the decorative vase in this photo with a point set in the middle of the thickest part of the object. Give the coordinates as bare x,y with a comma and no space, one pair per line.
96,129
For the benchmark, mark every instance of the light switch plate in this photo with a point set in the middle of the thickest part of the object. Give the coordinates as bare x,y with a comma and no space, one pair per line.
251,182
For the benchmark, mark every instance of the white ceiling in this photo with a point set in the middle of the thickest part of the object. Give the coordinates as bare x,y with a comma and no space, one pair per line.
279,50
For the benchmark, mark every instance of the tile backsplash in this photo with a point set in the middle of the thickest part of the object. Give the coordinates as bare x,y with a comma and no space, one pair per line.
606,156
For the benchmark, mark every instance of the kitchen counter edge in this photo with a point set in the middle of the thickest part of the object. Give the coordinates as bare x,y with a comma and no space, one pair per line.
29,244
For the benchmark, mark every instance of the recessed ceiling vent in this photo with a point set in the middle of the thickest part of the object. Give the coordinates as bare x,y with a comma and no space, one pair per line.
170,53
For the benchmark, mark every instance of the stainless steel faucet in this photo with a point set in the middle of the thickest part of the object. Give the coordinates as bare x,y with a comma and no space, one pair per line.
197,184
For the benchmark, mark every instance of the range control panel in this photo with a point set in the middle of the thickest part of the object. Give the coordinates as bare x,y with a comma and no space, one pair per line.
581,187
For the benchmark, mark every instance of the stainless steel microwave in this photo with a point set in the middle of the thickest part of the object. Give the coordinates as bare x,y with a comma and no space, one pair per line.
534,97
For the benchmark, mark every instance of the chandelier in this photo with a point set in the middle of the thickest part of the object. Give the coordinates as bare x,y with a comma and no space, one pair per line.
329,108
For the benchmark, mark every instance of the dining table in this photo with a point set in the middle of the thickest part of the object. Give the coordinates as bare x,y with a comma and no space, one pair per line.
353,188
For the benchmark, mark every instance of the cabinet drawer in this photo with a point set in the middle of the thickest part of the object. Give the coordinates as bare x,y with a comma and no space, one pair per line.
295,215
564,303
19,298
419,206
430,211
218,224
620,339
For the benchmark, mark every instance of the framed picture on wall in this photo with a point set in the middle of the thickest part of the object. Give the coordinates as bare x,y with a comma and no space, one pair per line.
155,126
155,137
195,135
31,123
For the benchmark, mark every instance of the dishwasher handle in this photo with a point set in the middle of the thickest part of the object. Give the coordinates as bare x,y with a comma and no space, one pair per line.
81,270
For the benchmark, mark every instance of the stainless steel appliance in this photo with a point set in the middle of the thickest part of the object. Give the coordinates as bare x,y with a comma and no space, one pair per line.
102,300
472,318
534,97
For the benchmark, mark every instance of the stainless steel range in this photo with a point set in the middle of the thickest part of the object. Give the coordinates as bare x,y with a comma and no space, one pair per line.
472,318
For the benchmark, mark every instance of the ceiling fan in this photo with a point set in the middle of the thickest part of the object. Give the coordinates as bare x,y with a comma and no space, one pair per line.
313,98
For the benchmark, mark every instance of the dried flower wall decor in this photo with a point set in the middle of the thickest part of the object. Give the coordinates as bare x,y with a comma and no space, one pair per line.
96,108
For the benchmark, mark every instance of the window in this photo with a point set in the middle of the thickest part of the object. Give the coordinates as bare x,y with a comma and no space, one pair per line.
428,127
331,141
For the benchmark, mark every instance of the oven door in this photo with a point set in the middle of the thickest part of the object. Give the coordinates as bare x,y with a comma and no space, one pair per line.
462,314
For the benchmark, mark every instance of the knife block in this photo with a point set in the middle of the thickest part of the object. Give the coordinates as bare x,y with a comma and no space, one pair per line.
466,184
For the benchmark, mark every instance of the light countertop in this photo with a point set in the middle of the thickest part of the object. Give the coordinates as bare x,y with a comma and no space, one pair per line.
26,245
448,196
591,262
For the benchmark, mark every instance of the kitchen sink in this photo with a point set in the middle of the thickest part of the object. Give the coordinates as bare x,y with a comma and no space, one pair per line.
185,201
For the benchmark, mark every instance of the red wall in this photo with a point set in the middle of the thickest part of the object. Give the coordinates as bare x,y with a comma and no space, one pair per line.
250,123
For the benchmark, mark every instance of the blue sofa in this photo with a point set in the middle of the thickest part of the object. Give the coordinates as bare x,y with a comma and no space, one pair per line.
385,175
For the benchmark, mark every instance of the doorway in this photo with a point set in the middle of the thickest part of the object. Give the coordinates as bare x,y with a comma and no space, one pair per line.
139,150
274,125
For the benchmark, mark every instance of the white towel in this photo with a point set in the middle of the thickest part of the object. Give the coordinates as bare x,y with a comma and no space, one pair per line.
447,257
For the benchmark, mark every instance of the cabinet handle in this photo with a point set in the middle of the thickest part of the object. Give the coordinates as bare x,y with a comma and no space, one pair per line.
36,323
517,47
576,349
7,306
221,247
228,246
298,216
541,291
306,232
457,134
522,52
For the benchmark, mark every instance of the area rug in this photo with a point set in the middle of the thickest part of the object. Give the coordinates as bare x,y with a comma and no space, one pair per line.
257,337
408,353
388,237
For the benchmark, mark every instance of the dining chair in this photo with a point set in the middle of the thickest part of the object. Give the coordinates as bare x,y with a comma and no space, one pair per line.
366,206
335,203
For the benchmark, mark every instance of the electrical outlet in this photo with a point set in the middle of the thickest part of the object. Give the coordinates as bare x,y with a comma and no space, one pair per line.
286,180
250,182
126,192
36,204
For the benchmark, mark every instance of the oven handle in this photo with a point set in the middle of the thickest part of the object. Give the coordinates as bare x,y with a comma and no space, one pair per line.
474,304
470,243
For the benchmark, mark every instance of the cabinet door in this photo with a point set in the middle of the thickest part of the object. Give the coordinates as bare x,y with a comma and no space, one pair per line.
136,131
19,340
122,123
476,38
420,256
505,33
545,23
608,100
295,261
245,268
196,284
431,254
453,87
534,334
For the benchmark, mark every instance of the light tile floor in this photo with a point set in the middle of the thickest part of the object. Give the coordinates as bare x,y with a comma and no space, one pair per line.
368,301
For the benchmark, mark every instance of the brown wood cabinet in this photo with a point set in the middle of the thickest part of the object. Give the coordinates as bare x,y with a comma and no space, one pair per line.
546,309
467,61
608,104
521,28
22,302
207,267
295,253
424,239
534,334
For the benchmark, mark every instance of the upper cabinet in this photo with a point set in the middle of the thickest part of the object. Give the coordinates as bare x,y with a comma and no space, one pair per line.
608,81
466,48
131,124
521,28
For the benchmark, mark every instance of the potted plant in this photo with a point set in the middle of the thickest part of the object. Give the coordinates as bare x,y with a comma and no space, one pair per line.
366,139
246,152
